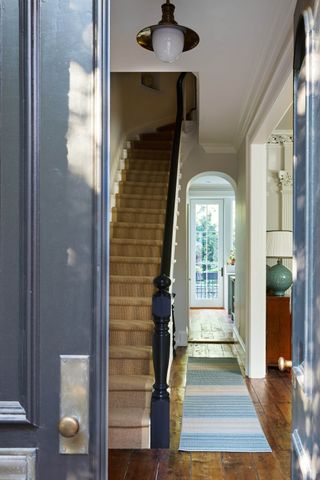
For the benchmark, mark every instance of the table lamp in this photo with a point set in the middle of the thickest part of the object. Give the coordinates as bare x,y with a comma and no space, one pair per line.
279,245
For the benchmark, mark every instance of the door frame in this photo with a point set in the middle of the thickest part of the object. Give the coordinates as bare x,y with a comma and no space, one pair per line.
277,100
221,279
99,389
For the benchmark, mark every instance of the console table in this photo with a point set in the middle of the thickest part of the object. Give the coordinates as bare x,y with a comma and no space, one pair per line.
279,329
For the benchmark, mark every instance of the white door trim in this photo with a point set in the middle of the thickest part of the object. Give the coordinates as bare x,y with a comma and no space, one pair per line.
277,100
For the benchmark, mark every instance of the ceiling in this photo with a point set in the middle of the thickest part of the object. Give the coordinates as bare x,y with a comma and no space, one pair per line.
286,123
240,41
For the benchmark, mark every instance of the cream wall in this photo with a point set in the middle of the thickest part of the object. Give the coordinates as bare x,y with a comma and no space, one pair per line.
274,152
279,195
241,285
136,108
195,161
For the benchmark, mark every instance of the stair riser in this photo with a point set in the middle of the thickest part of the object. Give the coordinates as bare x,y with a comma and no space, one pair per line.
136,164
128,312
137,217
120,399
129,232
138,290
136,250
132,338
143,189
149,154
124,438
145,177
140,203
130,366
151,145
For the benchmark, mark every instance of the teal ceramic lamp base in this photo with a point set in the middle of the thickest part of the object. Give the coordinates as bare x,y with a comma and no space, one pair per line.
279,279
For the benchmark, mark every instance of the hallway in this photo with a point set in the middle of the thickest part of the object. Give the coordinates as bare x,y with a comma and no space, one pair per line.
271,397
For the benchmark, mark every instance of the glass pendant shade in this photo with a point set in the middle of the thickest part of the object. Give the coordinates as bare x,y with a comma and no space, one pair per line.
168,43
167,39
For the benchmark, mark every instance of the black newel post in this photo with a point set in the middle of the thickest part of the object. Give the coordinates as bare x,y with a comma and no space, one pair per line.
160,402
173,328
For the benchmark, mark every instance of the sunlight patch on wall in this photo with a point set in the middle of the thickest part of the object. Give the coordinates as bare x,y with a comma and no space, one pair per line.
80,124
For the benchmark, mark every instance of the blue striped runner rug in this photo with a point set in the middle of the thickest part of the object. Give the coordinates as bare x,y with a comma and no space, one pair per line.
218,413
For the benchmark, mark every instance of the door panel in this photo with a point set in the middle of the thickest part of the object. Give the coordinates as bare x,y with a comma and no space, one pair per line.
53,236
206,253
19,233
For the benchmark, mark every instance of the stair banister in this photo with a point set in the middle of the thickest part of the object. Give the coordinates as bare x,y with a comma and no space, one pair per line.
161,300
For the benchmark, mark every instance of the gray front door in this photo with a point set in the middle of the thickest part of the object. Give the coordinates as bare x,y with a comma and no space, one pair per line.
306,291
53,264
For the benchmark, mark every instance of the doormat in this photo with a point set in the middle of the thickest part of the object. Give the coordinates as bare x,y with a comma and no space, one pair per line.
218,413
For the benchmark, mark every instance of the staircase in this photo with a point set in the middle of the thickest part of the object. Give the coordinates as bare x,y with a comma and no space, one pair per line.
136,243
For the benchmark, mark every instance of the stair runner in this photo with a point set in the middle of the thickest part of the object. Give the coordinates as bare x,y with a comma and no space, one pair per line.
136,242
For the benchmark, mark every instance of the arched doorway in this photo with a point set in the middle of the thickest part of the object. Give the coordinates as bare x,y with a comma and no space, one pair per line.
211,220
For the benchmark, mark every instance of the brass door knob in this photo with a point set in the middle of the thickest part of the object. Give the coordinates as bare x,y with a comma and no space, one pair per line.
284,364
69,427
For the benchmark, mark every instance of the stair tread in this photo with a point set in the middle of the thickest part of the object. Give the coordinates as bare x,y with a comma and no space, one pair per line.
136,241
125,259
155,211
125,383
150,150
147,172
136,325
139,301
134,225
147,143
129,351
126,417
143,184
130,279
142,196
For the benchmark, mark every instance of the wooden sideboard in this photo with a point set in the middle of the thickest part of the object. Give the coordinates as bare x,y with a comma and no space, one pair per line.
279,329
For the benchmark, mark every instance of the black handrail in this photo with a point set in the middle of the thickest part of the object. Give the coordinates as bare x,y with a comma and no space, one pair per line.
161,300
169,222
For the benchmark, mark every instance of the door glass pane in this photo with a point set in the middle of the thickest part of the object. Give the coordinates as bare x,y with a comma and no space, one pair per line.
207,251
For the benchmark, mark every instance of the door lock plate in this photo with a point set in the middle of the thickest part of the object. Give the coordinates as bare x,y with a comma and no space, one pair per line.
74,402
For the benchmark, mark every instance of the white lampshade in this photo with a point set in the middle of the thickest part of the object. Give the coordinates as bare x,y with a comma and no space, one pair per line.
279,244
168,43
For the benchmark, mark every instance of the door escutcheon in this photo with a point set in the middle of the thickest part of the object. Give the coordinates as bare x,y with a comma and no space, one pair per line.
73,426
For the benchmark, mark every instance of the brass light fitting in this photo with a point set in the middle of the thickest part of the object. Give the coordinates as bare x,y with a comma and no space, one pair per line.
144,37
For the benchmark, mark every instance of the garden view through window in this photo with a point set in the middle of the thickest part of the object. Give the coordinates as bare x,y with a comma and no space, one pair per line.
207,250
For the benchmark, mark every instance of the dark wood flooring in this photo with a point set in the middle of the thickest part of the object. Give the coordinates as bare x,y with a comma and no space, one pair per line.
272,400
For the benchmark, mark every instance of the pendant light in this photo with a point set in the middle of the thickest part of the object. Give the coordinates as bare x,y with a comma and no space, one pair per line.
168,39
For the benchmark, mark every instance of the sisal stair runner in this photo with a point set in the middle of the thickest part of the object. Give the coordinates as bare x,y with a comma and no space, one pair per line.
136,246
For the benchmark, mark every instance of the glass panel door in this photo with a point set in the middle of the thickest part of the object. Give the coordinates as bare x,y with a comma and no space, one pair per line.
206,253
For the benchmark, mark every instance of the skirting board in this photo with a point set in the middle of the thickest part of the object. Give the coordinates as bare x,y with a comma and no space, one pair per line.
241,347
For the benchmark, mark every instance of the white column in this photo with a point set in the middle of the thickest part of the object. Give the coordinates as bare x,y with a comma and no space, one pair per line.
256,326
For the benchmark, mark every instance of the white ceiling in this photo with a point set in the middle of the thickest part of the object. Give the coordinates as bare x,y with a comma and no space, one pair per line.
240,41
286,123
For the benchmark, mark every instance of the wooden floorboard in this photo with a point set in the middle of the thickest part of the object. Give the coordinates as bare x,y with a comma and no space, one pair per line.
272,399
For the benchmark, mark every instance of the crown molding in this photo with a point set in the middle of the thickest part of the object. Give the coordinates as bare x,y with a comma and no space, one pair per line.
223,148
